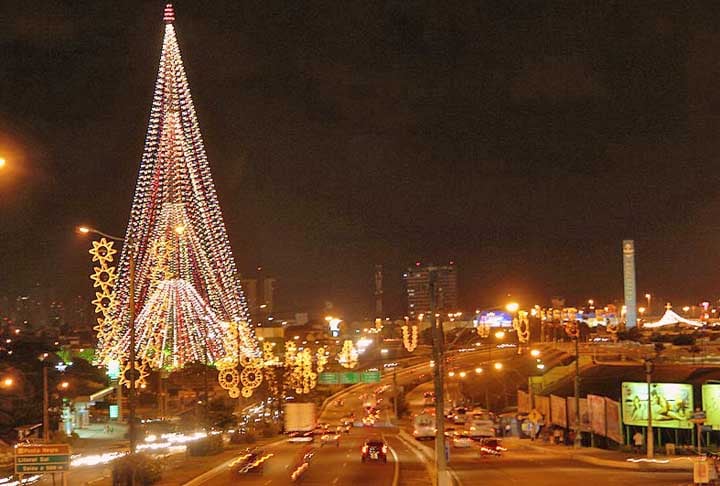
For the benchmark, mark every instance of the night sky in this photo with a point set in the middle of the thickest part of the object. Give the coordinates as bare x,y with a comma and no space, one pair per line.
523,140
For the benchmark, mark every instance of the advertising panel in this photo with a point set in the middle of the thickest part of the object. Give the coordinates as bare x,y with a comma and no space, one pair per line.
711,405
612,420
671,404
523,402
542,405
584,415
596,407
558,410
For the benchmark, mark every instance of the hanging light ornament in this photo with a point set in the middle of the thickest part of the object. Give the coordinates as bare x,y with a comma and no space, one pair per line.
483,329
321,358
306,379
104,278
348,356
410,337
522,326
141,373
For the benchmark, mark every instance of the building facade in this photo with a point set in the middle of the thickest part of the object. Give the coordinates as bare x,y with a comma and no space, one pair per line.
417,289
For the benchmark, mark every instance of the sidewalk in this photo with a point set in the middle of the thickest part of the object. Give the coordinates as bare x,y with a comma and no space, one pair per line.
607,458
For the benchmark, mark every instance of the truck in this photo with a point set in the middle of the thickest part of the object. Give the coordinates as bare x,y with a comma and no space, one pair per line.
300,421
424,426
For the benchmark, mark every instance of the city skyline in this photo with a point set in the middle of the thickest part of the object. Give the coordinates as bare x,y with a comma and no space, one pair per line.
416,169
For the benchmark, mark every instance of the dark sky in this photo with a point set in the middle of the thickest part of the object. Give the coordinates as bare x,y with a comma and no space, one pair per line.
524,140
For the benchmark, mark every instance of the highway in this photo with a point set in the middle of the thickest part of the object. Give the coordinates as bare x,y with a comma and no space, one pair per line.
409,461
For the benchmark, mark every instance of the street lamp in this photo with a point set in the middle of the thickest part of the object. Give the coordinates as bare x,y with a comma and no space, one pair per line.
3,163
534,353
131,315
8,382
648,297
478,370
512,307
498,366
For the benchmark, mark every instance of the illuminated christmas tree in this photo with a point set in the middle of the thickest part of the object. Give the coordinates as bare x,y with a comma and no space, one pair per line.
186,283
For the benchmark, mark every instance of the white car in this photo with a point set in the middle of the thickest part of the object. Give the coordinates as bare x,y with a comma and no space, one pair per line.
462,441
330,438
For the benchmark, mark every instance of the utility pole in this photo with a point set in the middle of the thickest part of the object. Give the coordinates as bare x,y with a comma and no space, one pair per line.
205,382
395,388
578,437
46,403
650,435
439,378
131,314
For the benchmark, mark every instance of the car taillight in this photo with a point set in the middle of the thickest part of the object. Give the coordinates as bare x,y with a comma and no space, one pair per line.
365,449
384,449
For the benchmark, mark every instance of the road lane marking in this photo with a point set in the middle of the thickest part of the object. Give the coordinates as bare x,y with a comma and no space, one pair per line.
396,472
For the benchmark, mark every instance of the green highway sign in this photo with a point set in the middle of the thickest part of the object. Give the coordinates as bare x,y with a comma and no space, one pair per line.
327,378
349,377
42,458
41,468
370,376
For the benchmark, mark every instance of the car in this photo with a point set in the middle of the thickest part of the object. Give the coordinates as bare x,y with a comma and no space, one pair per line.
491,446
330,438
461,440
374,450
249,462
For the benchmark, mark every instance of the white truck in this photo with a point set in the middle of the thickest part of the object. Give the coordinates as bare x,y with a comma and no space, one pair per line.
300,421
424,426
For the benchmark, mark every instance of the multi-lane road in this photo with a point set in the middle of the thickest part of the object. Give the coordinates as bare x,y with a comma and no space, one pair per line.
409,462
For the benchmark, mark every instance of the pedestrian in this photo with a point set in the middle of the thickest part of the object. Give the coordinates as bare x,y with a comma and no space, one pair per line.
638,440
571,437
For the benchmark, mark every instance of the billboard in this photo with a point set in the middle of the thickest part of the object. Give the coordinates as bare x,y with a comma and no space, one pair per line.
671,404
596,409
558,411
612,420
523,402
584,415
711,404
542,405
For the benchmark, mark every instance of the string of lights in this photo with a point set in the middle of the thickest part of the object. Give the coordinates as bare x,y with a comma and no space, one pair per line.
186,282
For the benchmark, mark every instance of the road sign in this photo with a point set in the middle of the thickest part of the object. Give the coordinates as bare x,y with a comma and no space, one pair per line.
370,376
535,416
328,378
42,458
349,377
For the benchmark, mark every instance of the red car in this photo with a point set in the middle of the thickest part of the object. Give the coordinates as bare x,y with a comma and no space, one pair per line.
374,450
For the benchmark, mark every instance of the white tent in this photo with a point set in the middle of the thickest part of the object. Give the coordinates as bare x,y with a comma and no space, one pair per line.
669,319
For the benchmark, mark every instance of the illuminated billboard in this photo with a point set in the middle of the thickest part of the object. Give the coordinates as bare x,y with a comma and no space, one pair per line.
671,404
711,405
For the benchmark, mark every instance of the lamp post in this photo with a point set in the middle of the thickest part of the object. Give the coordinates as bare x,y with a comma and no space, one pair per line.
131,314
649,300
439,379
650,435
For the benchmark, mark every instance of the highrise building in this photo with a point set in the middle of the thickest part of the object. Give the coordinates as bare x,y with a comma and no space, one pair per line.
417,288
